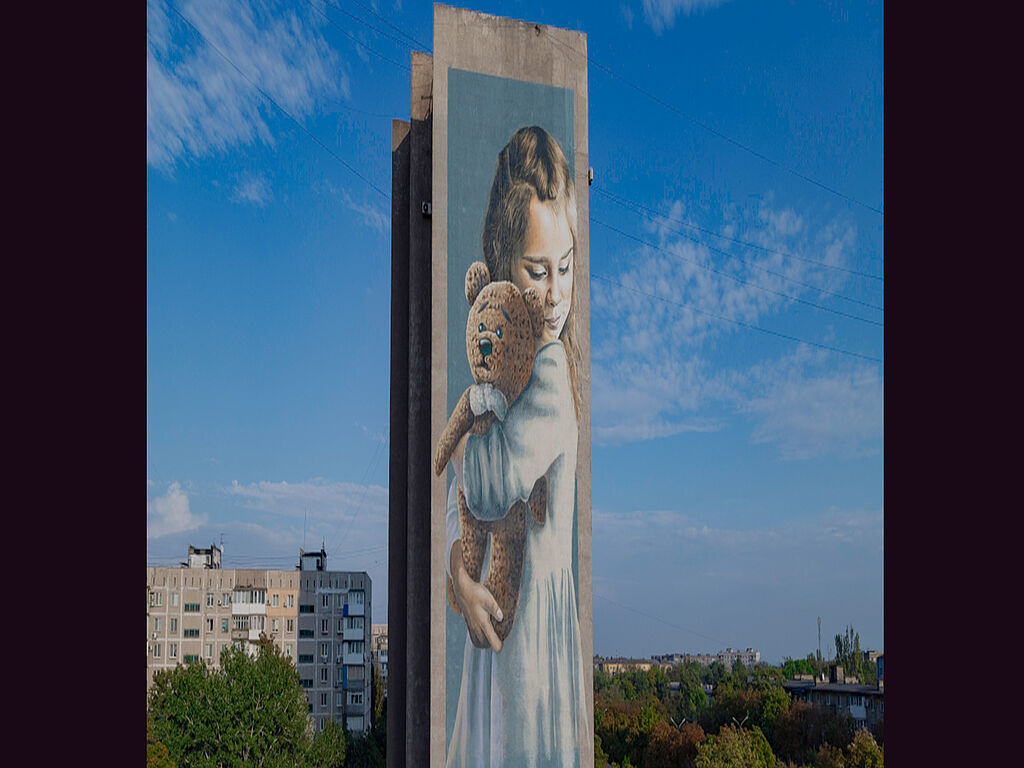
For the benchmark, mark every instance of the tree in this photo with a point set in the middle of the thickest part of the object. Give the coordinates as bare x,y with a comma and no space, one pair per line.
364,753
735,748
157,755
848,653
250,712
829,757
863,752
329,748
671,747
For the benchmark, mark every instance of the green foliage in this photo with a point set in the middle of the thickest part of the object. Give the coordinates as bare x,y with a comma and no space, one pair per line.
329,748
801,729
670,747
735,748
624,726
251,711
848,653
791,668
829,757
863,752
600,758
365,753
157,755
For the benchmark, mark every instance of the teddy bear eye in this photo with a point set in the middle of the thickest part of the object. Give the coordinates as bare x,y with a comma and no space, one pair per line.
482,328
498,332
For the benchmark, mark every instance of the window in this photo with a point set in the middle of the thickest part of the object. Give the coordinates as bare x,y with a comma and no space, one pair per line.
191,633
291,625
305,609
277,625
305,633
291,599
223,625
241,622
323,703
355,698
323,674
355,646
174,599
191,607
355,622
356,598
156,651
191,657
307,683
325,601
275,600
209,625
341,624
325,649
209,650
305,658
174,625
288,650
158,623
339,701
172,650
325,626
225,598
209,599
159,598
355,673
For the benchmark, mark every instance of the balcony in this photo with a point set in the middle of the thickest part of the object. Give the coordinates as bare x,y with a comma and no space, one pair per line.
354,659
354,609
352,634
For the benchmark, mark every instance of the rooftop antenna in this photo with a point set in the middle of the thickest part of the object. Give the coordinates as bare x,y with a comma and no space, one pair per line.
819,645
305,513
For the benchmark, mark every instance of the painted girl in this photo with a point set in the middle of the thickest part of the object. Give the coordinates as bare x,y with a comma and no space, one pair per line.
522,702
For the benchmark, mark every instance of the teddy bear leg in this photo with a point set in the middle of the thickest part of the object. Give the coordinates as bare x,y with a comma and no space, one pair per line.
473,533
508,547
539,500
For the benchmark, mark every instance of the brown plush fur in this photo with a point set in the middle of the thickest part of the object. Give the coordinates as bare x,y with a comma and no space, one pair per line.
507,365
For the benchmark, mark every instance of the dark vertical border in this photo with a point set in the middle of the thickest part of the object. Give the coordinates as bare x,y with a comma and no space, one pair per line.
417,742
398,445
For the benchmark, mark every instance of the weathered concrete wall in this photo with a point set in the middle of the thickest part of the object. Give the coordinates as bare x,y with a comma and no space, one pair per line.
398,447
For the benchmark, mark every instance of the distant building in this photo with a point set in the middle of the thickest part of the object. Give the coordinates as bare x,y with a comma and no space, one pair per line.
199,609
621,664
728,657
379,649
864,703
334,659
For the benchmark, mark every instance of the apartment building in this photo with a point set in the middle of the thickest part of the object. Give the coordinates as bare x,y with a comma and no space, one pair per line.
320,619
750,658
334,657
864,703
379,649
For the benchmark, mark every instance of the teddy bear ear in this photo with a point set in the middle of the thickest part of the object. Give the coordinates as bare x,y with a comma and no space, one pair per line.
476,278
535,307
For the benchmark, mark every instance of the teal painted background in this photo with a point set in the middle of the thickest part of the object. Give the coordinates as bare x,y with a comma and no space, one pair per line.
483,113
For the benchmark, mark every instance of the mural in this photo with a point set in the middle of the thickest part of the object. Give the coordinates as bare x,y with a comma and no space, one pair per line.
515,680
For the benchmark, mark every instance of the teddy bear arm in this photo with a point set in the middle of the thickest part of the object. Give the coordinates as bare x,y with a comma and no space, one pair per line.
539,500
460,422
504,577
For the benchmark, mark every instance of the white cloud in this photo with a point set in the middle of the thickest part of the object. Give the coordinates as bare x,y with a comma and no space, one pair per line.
198,104
323,499
627,15
811,405
661,14
170,513
253,188
655,370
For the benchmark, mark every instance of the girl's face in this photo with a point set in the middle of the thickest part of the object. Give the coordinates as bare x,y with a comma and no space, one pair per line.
547,265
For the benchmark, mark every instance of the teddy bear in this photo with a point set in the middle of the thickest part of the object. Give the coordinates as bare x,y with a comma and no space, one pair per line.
501,330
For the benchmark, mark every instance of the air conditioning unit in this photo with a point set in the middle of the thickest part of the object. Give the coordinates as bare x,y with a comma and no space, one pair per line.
154,635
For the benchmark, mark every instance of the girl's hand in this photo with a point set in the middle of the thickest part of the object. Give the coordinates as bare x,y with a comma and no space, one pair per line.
476,603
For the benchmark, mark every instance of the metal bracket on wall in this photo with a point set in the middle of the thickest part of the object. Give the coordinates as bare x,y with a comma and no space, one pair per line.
425,208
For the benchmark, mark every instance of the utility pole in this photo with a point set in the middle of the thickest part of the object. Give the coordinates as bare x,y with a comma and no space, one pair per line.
819,645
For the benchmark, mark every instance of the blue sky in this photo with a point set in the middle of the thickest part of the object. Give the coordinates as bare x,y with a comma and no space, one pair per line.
738,474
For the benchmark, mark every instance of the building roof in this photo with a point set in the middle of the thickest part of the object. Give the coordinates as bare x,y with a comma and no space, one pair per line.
810,685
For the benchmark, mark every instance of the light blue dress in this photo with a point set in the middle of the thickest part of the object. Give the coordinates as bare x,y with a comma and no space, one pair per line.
526,705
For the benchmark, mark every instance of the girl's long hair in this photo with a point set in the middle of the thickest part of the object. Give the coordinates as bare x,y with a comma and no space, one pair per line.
532,165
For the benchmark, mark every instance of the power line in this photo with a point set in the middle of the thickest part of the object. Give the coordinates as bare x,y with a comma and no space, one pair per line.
365,23
397,29
737,279
713,131
626,202
779,275
354,39
659,619
752,327
284,111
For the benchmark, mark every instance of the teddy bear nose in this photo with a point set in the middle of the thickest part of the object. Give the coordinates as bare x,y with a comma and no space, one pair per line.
485,347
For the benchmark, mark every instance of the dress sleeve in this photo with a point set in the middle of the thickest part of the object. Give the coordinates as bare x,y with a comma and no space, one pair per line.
451,520
501,466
